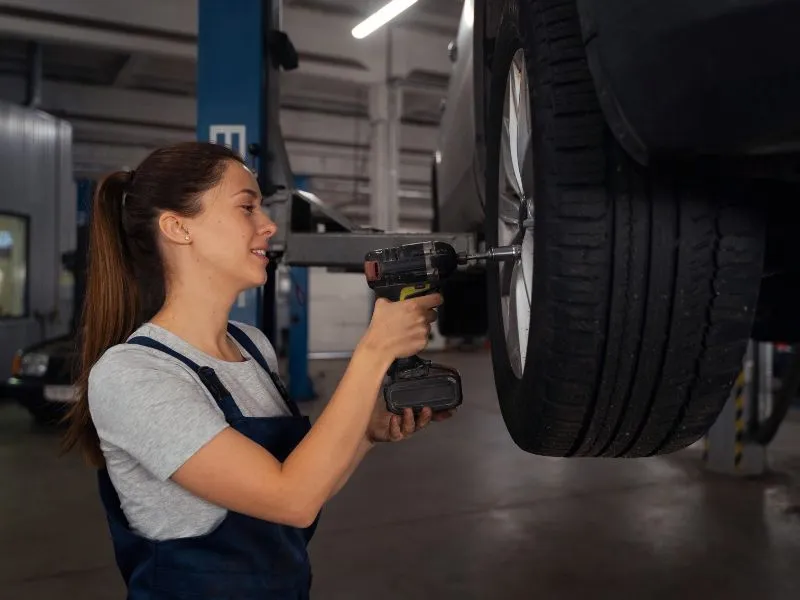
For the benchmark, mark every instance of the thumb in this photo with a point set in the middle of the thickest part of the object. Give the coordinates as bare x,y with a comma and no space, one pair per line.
381,302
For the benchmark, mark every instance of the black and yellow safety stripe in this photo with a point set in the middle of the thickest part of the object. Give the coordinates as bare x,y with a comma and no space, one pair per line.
739,421
738,390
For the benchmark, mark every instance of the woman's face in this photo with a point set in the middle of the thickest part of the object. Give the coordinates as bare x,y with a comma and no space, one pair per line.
230,236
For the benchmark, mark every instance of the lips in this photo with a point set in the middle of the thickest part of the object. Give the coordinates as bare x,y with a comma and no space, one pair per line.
261,254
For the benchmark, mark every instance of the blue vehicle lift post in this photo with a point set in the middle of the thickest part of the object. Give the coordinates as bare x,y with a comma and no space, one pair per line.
300,385
238,50
232,89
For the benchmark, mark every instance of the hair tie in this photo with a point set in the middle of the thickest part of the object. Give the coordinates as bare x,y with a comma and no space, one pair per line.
131,175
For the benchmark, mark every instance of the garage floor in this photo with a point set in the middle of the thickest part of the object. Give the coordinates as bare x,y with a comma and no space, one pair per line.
458,512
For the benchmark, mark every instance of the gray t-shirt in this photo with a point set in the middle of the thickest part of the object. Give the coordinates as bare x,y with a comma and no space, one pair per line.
152,413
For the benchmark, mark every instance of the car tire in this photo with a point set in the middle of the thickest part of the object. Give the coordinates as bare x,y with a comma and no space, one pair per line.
640,283
436,219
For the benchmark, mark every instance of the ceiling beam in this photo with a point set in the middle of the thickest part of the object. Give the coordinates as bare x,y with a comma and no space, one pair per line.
151,111
130,69
155,27
41,30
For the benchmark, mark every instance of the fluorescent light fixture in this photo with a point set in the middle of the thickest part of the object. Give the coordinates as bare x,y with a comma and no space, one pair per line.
381,17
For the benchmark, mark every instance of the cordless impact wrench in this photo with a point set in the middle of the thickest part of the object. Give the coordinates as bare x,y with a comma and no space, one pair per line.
410,271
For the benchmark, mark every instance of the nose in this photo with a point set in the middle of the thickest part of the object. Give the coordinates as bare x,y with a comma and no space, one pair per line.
267,226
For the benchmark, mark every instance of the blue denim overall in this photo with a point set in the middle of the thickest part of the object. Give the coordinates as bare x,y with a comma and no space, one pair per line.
243,558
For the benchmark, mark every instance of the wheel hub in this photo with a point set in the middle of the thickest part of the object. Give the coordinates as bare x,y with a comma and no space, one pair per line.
515,222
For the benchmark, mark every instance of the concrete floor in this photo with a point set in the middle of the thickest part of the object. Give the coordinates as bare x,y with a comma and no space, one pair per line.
458,512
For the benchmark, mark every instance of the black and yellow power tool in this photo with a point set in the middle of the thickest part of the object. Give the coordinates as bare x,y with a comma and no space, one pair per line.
409,271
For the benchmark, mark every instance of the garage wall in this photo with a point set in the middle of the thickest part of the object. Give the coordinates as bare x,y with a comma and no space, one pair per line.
36,180
339,310
340,307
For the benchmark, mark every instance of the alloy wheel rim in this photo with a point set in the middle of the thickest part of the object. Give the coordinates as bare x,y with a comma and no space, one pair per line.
516,212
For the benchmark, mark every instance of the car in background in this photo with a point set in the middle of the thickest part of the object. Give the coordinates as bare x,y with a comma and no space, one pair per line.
42,377
645,154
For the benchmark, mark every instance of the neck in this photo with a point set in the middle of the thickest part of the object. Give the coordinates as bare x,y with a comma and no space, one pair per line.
199,315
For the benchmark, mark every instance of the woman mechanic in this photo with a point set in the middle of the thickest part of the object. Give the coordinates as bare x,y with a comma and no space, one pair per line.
211,479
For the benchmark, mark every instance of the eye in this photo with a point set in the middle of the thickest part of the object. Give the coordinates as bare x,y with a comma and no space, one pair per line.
249,208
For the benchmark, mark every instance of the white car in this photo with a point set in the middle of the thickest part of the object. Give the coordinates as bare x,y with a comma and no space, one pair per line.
644,153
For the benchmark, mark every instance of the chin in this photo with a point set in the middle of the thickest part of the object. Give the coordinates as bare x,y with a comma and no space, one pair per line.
261,280
250,281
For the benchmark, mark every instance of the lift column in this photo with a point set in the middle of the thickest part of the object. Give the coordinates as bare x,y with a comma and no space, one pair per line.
231,83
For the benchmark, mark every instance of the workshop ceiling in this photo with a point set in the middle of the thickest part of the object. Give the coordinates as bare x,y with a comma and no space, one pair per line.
92,64
438,15
125,74
96,65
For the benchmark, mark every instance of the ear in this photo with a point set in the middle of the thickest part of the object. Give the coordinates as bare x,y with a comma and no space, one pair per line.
174,228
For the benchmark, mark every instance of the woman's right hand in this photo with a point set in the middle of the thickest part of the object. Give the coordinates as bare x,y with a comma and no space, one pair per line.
401,329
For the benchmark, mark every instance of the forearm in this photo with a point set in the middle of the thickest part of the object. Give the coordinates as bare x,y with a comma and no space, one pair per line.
363,449
329,453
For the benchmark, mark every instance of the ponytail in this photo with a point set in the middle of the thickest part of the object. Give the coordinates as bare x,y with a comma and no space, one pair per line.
111,306
126,282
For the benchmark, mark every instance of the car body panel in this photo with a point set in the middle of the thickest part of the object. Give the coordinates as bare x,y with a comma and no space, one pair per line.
459,175
691,78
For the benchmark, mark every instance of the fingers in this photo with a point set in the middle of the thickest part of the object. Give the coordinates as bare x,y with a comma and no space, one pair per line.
403,426
424,417
408,422
429,301
443,415
432,315
394,428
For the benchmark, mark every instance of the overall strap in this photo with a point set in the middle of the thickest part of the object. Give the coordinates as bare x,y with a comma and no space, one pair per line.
207,375
253,351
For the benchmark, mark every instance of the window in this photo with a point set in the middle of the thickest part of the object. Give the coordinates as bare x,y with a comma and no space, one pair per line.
13,266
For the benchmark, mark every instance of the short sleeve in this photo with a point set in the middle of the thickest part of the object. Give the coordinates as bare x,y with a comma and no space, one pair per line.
151,408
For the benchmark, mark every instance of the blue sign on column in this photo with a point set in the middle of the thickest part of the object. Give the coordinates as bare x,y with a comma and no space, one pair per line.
229,93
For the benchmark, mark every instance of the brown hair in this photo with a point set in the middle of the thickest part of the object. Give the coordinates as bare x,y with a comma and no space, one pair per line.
125,282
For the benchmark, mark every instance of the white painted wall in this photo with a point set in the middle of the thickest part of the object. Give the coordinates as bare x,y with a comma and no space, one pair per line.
340,307
339,310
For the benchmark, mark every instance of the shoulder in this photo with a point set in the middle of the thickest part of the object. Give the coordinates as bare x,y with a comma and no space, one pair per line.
132,374
259,339
124,361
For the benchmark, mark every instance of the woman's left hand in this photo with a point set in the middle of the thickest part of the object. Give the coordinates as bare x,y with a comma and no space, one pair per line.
385,426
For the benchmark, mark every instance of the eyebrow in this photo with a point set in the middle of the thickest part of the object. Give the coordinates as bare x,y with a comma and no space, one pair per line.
250,192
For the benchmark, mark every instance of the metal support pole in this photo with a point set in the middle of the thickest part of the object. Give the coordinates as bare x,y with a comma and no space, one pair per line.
231,83
270,15
385,111
300,384
727,449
